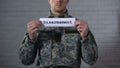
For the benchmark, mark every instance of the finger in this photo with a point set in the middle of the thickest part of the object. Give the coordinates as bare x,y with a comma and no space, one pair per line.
81,22
80,26
34,27
34,31
34,23
80,29
77,23
32,34
38,22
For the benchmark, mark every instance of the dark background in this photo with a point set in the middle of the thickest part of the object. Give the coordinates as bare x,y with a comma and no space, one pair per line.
103,17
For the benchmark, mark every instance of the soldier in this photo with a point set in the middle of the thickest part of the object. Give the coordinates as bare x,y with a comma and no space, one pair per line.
58,47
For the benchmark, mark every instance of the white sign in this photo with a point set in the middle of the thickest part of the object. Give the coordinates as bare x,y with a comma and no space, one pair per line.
58,22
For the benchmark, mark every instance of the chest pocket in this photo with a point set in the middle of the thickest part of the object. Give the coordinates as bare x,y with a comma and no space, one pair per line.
70,39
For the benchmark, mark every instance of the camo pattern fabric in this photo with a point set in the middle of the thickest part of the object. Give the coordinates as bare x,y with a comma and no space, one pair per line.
58,47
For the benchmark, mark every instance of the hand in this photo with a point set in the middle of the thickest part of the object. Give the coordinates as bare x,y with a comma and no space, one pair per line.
82,28
33,28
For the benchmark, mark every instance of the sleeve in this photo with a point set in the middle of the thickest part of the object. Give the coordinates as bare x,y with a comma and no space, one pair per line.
89,49
27,51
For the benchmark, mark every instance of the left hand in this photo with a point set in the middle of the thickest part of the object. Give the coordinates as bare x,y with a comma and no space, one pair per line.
82,28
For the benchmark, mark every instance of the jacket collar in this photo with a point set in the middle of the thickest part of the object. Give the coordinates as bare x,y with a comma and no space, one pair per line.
65,15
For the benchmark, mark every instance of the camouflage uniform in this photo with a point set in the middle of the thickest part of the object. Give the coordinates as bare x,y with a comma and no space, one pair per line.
59,47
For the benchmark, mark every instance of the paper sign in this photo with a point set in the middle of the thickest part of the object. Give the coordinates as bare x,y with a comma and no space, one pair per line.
58,22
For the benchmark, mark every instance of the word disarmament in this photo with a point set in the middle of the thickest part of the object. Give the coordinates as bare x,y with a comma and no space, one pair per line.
58,22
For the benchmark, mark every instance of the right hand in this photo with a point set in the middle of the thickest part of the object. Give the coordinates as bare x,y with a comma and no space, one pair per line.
33,27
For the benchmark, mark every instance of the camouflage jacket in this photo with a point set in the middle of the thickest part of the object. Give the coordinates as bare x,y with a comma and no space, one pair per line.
59,46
